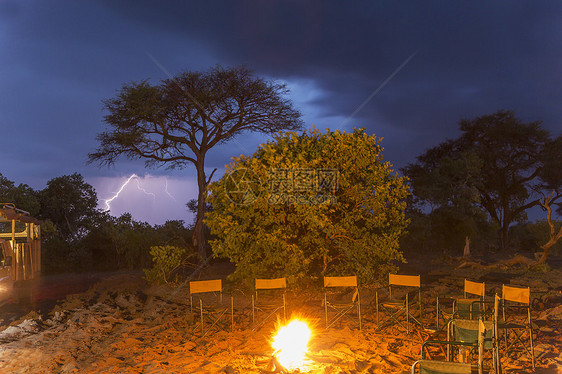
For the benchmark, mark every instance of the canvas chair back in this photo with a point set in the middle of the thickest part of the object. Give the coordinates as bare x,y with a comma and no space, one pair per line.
205,286
516,294
270,284
474,288
404,280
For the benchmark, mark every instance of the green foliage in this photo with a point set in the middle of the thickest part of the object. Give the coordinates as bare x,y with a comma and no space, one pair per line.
71,204
22,196
166,259
349,227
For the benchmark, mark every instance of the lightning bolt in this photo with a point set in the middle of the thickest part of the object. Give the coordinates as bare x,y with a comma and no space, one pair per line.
166,189
116,195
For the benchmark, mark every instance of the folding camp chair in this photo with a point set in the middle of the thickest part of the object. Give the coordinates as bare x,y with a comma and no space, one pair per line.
269,299
395,307
468,307
467,331
519,324
209,305
429,366
336,299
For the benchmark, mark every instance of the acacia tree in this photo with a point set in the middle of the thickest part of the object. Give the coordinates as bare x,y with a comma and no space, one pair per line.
309,204
499,160
178,121
550,179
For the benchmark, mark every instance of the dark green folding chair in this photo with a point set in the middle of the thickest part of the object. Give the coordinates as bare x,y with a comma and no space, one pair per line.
468,330
468,306
430,366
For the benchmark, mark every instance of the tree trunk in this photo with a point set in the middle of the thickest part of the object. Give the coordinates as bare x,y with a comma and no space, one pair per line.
504,237
554,237
466,251
548,245
198,236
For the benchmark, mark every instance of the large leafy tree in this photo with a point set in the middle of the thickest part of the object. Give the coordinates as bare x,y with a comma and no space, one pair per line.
22,196
71,204
176,122
494,165
309,204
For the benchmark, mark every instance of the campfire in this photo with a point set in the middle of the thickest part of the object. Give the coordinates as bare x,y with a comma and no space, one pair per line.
291,344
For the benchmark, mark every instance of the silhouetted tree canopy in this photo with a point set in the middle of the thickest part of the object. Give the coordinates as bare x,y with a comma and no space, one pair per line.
497,164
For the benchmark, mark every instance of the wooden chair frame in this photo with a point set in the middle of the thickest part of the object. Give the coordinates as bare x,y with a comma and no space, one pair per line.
341,309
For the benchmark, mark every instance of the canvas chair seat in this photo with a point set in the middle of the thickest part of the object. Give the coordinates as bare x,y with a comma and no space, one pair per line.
393,303
443,367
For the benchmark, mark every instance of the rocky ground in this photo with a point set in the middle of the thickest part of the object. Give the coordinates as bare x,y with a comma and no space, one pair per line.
121,325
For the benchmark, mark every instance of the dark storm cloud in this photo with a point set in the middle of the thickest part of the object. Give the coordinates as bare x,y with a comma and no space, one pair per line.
472,58
61,59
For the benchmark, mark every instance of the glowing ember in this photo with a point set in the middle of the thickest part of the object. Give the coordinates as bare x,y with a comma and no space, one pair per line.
291,344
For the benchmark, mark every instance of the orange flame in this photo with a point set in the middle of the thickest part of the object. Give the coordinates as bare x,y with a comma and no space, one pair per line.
291,344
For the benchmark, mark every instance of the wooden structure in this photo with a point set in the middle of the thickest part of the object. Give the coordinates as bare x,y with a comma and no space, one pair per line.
20,248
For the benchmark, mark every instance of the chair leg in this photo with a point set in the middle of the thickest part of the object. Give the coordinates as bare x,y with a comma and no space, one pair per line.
326,309
531,338
407,316
284,310
377,305
201,309
359,310
253,311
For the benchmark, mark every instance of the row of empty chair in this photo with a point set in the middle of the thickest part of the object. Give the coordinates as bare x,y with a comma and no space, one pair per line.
398,309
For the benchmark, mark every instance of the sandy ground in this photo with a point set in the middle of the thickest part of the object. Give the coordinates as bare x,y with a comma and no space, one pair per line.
121,325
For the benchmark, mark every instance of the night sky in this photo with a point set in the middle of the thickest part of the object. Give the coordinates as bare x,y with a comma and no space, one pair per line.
407,71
